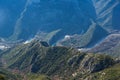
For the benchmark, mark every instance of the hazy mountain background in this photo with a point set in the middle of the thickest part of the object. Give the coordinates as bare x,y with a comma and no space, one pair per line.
78,23
25,19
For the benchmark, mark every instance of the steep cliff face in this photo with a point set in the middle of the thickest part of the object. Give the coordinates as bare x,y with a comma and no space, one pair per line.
86,40
72,17
68,16
108,13
9,13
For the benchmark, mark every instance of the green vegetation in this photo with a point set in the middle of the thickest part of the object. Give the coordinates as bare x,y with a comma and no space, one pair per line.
56,62
47,36
37,77
112,73
8,75
2,77
63,62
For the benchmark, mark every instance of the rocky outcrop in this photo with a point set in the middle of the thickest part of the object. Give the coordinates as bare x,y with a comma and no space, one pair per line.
94,63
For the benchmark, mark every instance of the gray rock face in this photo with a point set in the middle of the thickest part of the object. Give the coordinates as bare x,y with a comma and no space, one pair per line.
107,12
94,63
90,63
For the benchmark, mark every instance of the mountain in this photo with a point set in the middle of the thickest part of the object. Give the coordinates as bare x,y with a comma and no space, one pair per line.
30,17
38,58
9,13
59,40
52,15
108,13
88,39
110,45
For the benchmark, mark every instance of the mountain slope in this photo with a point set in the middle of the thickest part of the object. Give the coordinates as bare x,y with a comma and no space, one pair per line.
9,12
8,75
36,58
112,73
110,45
70,17
108,13
53,15
89,39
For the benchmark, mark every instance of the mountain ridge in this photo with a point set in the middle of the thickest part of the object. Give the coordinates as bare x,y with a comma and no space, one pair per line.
27,58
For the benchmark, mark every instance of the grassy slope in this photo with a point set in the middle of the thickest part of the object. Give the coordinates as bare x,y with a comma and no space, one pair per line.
7,75
54,61
112,73
37,77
